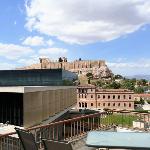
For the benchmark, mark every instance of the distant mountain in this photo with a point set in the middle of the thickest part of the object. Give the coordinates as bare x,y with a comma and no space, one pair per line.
147,77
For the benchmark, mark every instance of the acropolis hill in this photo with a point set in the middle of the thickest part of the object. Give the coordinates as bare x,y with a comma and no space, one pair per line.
97,67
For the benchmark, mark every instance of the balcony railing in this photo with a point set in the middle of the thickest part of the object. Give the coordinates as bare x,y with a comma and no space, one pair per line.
71,129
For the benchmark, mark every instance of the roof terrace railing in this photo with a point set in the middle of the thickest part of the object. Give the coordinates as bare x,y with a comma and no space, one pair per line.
71,129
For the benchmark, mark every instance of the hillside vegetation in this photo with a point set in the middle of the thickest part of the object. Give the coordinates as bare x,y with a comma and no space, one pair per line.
117,82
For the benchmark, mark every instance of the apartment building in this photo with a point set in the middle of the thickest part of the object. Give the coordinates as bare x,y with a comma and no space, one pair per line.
92,97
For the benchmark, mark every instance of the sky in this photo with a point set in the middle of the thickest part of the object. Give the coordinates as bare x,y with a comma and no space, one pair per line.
115,31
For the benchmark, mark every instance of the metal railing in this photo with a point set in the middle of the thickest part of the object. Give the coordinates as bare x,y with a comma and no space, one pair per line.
68,130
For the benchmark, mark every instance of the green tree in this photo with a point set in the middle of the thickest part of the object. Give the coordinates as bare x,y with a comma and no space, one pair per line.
138,82
139,90
118,76
112,85
141,101
115,85
127,84
89,77
99,83
143,81
133,80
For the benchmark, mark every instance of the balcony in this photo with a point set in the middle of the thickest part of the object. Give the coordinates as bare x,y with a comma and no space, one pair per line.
75,130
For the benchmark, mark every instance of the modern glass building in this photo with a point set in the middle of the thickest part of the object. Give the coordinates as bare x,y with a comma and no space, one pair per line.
35,77
28,97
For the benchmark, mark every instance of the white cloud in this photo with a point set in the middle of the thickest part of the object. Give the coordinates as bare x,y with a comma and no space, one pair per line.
141,66
37,41
24,56
13,52
87,21
7,66
50,42
52,53
34,59
34,41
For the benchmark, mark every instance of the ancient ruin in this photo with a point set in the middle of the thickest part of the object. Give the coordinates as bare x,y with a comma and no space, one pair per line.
98,68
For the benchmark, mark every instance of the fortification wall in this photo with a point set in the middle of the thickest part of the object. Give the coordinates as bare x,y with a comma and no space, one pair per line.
80,64
97,67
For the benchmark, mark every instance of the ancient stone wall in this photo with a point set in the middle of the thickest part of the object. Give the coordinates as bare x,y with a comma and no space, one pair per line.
78,64
97,67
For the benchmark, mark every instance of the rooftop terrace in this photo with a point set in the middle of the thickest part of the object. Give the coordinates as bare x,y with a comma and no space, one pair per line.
75,130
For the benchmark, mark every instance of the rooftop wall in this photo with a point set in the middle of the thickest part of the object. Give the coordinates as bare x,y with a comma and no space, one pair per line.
36,77
34,105
40,105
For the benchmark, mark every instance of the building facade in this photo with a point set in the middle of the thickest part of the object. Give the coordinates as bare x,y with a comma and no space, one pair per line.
144,96
30,105
35,77
91,97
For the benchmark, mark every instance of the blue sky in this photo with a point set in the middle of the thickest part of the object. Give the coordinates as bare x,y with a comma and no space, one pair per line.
87,29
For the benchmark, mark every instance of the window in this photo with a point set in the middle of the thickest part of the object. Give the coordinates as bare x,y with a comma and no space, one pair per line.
118,96
82,90
79,95
124,96
85,96
82,95
113,96
129,96
91,90
82,104
91,96
79,104
99,104
85,105
98,96
108,96
108,104
85,90
103,104
118,104
124,104
103,96
113,104
129,104
91,104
